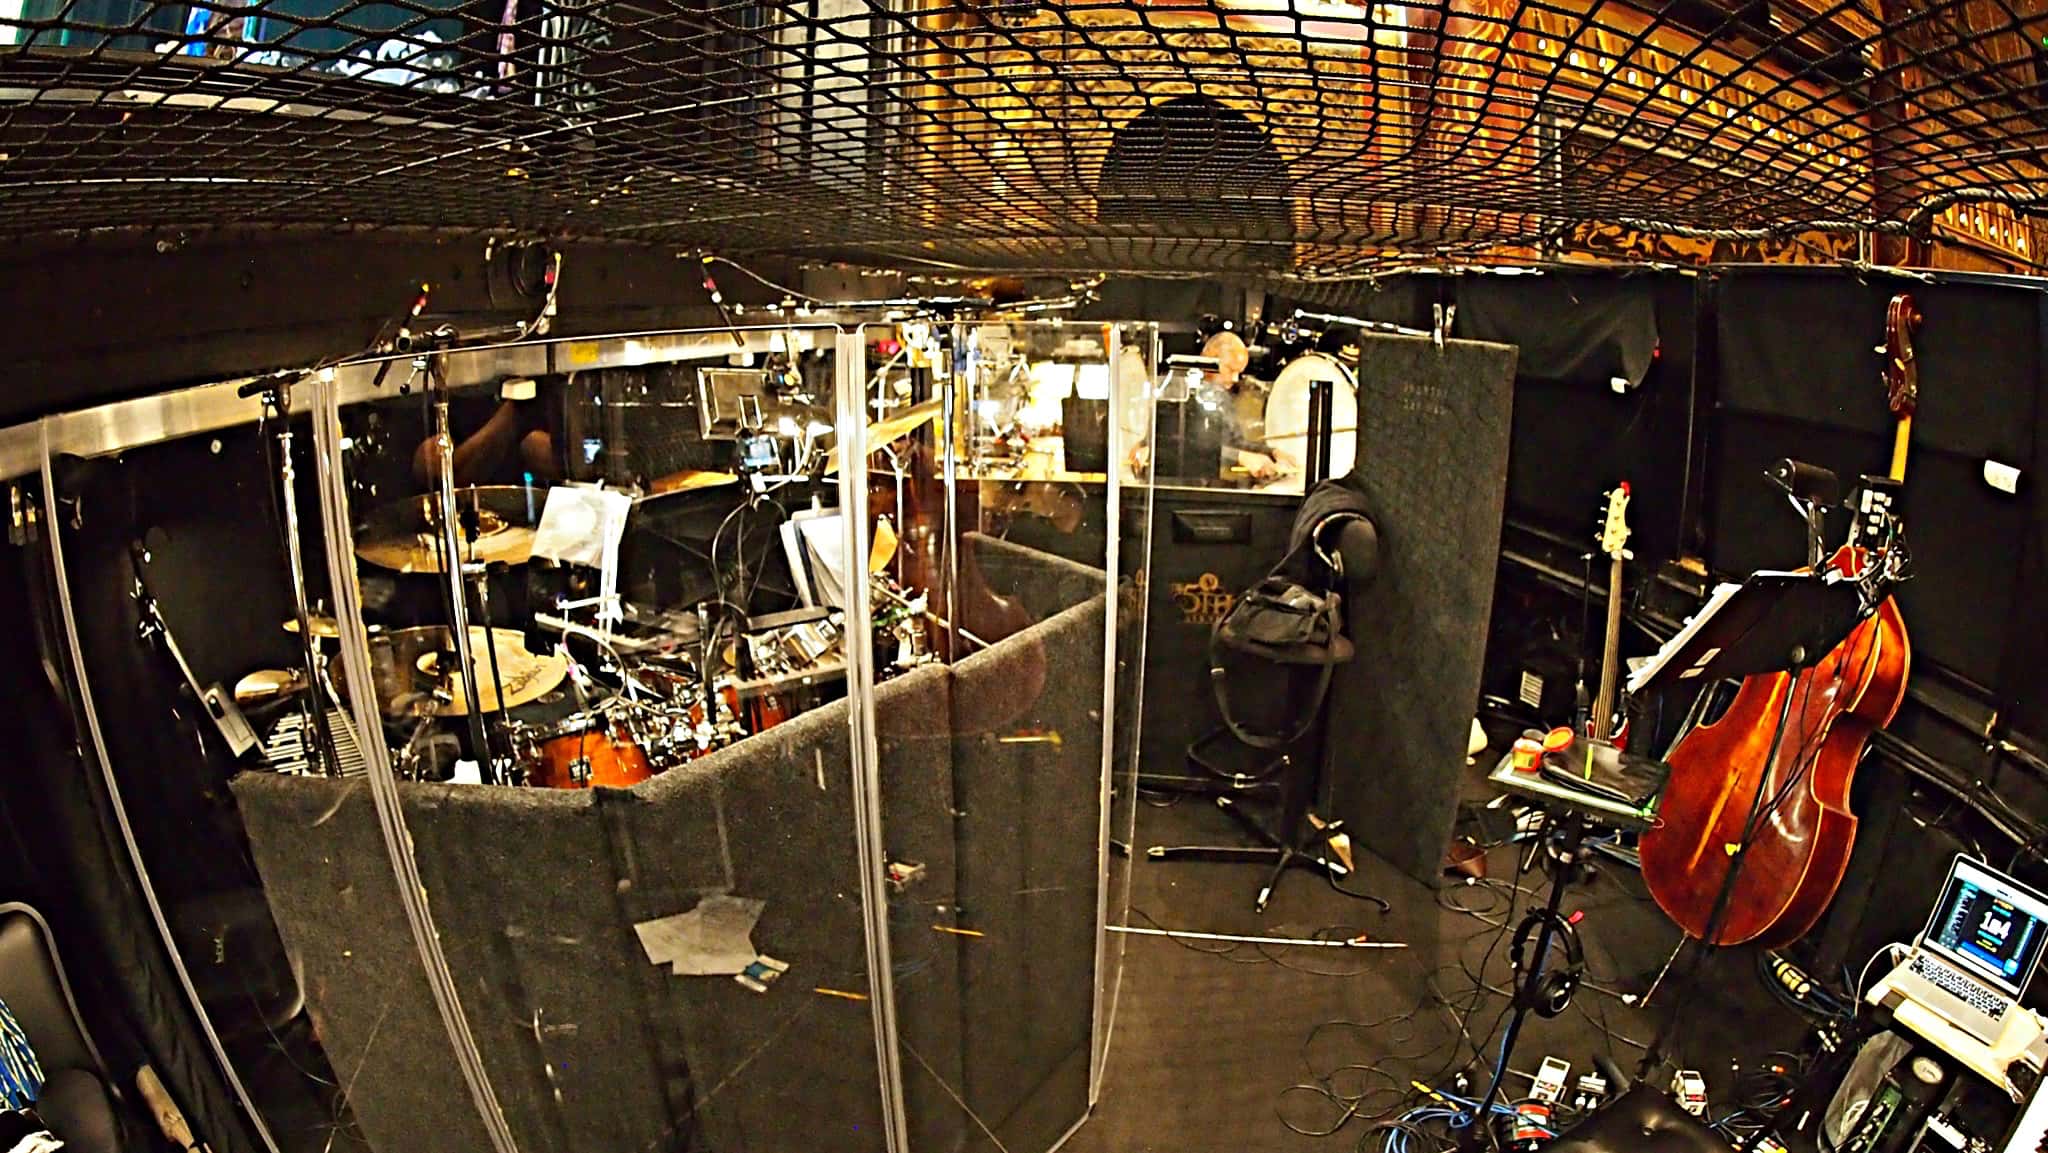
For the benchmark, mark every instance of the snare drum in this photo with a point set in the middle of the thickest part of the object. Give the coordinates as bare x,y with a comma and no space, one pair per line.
576,749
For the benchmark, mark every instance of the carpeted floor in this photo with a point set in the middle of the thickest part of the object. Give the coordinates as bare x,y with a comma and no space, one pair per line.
1210,1050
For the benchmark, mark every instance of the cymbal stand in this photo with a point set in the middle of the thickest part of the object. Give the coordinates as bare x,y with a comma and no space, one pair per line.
450,545
506,765
277,403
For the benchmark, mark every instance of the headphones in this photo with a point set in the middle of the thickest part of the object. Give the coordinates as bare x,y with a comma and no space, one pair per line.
1552,991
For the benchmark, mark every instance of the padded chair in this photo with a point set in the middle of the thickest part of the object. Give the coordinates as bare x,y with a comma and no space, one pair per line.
1641,1120
78,1101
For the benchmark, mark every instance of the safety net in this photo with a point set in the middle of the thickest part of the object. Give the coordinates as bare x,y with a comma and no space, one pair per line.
1305,136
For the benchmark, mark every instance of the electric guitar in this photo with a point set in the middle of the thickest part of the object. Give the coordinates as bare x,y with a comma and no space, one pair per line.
1614,530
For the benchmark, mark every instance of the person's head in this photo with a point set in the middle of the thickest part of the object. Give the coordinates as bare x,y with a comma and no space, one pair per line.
1229,352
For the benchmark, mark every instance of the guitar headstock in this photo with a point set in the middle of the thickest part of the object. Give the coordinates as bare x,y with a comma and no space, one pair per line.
1901,367
1614,524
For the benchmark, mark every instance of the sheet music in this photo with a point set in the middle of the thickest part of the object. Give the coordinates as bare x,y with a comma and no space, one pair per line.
1650,668
1716,601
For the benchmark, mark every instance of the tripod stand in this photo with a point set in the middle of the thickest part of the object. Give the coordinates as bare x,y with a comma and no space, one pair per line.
1537,989
1297,842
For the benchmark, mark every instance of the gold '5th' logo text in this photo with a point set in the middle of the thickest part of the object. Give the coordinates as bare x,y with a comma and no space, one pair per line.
1202,601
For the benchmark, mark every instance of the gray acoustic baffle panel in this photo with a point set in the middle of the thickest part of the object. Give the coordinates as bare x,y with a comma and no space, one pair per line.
331,887
1433,426
536,892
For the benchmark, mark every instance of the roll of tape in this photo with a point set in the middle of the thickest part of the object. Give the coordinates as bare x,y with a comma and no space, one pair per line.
2003,477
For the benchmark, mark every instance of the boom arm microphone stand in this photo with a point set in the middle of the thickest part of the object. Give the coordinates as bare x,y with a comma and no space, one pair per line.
277,403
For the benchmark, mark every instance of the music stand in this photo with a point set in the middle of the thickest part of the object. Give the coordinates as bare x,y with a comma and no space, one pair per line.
1772,622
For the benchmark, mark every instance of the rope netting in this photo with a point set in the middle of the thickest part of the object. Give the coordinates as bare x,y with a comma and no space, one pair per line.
1309,136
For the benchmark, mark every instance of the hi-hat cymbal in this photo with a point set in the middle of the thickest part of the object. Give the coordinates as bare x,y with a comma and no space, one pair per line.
405,535
326,627
883,432
266,685
526,677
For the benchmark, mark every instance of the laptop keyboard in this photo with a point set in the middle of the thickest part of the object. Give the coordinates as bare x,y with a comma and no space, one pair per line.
1955,984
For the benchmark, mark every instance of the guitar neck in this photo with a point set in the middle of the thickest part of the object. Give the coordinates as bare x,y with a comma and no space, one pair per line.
1902,436
1610,659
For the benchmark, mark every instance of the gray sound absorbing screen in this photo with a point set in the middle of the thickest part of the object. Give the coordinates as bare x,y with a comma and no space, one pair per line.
535,893
1432,461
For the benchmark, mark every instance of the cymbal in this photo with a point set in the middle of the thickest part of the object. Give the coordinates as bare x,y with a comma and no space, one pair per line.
689,480
527,677
266,685
326,627
883,549
405,535
893,428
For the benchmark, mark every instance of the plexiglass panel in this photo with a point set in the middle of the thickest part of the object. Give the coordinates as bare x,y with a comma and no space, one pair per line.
1267,409
990,451
579,692
174,561
1135,382
630,796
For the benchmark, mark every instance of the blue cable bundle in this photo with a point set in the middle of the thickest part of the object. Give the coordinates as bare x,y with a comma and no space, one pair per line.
1401,1129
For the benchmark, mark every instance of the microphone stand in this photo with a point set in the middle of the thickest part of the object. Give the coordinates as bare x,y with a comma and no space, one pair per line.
507,768
1562,848
450,545
277,401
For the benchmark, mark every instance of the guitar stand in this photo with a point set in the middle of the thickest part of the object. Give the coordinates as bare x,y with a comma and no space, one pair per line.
1563,848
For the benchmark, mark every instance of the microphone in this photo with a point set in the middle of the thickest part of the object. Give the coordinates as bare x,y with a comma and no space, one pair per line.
1809,483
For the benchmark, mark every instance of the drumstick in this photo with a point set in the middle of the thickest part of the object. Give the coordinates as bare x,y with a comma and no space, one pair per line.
168,1117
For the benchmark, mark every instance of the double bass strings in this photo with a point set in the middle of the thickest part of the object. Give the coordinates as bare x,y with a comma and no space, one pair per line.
1654,1055
1760,811
1809,751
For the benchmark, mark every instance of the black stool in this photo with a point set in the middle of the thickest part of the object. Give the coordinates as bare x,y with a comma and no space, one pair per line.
1641,1120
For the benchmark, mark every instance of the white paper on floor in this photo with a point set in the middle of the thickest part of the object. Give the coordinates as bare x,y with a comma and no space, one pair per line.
714,939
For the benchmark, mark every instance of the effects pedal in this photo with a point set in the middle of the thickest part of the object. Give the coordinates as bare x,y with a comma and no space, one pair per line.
1689,1089
1589,1093
1550,1080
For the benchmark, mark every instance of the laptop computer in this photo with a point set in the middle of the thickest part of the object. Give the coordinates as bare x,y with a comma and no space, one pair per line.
1981,946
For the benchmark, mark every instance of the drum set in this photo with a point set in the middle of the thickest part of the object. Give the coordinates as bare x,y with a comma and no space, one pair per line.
563,703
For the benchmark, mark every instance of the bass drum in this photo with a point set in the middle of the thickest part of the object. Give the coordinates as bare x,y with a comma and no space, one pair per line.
1287,412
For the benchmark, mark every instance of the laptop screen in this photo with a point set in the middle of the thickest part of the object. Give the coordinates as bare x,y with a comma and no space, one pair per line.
1989,925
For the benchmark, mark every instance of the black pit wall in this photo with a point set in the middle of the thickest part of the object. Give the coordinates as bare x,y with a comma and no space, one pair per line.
1575,435
204,510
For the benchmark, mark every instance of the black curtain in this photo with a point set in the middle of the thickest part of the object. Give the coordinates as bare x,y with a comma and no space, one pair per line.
1800,378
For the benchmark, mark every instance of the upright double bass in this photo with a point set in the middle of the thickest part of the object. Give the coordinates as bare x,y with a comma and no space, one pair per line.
1776,767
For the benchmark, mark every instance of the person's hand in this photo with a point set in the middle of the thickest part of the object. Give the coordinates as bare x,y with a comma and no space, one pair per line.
1259,465
1140,457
